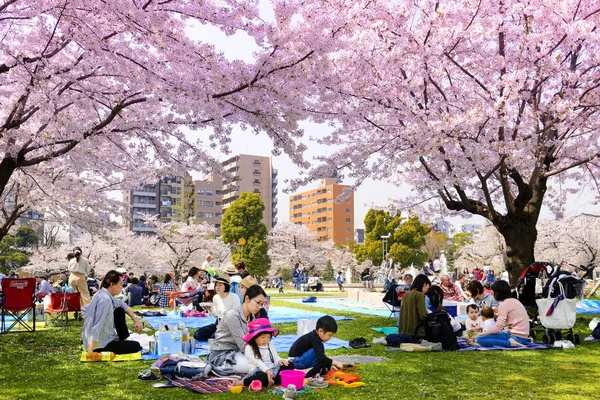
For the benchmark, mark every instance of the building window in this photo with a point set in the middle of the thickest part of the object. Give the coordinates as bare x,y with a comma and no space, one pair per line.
217,225
201,214
201,192
329,219
328,190
209,203
218,214
256,191
209,192
201,203
347,229
209,215
347,210
219,192
329,209
348,220
256,162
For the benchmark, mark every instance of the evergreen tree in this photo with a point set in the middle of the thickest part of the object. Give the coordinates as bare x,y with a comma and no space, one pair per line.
404,244
243,221
328,272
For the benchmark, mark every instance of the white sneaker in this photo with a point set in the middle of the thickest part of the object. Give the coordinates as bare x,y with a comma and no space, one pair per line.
379,341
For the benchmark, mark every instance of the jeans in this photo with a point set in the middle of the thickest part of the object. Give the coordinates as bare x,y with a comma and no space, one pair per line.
309,360
499,339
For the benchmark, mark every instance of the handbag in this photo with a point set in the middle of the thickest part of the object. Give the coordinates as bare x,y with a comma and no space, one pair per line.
558,312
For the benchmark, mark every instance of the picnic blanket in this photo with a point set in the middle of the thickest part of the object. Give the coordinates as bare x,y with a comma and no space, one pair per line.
277,315
530,346
116,358
387,330
346,305
282,343
214,385
588,307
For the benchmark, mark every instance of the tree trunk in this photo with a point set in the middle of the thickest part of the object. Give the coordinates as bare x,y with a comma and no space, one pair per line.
520,235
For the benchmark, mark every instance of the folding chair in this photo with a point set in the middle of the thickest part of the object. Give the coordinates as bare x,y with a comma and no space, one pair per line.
393,297
18,303
60,306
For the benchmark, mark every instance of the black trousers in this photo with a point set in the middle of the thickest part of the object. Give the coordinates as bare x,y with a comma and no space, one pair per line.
264,379
121,346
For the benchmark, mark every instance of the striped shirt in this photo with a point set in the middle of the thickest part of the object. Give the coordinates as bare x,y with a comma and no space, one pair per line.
99,321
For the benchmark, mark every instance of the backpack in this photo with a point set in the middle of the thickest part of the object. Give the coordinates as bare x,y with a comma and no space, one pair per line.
439,329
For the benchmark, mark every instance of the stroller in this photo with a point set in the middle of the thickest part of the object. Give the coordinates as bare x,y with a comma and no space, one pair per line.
537,285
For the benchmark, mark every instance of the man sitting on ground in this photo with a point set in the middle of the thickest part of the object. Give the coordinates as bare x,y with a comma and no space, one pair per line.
451,290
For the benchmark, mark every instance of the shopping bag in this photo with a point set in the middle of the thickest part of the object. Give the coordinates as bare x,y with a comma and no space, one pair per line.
563,314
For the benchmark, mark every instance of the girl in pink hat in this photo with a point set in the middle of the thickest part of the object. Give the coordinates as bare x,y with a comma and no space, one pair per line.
261,354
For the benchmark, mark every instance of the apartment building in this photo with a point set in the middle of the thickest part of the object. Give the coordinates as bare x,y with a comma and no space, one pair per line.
253,174
143,203
319,211
209,197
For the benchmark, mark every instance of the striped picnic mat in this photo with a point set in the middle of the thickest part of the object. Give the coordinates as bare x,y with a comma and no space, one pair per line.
213,385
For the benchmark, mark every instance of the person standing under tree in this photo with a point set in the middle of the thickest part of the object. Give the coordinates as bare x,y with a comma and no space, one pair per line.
79,268
390,272
340,281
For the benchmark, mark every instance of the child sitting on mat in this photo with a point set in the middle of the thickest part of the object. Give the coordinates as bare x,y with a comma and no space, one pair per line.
473,323
308,350
261,355
487,316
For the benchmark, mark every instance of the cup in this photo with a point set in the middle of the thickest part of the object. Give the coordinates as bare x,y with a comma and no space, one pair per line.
152,347
192,345
185,347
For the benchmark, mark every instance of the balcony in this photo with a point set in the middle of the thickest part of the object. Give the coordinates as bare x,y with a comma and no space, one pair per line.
275,181
256,181
144,193
274,172
274,200
145,205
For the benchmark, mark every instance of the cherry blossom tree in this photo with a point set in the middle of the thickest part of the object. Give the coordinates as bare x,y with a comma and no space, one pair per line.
182,246
575,241
490,106
342,258
486,248
292,243
97,96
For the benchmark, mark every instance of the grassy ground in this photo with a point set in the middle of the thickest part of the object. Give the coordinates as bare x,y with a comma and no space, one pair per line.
46,365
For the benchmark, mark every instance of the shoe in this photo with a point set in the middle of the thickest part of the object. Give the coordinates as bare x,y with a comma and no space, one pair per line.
359,343
317,382
148,375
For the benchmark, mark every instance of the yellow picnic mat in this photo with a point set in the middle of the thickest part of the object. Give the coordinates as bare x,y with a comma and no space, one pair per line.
108,356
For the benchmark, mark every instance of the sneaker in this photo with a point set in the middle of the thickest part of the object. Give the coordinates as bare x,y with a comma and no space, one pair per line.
317,382
379,340
148,375
359,343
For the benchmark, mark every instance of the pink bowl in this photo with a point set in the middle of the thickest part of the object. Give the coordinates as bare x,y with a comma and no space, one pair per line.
292,376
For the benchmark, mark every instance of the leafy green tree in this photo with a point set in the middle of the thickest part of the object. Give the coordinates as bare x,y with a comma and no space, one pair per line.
328,271
26,237
11,257
404,244
243,220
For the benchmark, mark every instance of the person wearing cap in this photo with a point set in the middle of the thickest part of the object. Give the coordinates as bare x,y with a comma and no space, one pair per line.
241,269
234,278
244,285
223,301
79,268
43,287
263,360
227,350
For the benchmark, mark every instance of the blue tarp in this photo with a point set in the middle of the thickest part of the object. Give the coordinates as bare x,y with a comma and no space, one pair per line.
277,315
588,307
345,305
282,343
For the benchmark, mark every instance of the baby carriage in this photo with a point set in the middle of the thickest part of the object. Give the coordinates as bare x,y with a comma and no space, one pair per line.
549,295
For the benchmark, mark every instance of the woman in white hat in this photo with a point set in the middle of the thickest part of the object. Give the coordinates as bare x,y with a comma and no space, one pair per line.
234,278
223,301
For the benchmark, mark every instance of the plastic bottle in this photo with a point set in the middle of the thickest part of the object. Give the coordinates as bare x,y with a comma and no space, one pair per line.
185,343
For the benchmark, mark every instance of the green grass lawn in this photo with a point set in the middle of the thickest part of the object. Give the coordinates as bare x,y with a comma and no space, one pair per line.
45,364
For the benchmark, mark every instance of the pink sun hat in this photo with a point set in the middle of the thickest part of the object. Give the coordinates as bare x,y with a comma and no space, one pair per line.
258,326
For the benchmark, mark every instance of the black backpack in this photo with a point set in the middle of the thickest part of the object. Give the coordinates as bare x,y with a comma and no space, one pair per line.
438,329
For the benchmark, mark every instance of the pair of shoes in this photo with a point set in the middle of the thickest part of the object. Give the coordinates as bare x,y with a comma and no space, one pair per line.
359,343
148,375
349,367
379,340
317,382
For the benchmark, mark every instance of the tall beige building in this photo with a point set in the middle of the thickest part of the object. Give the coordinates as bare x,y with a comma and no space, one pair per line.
318,211
208,204
253,174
